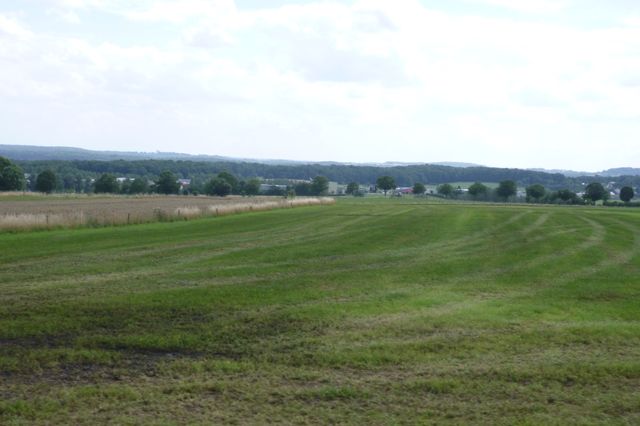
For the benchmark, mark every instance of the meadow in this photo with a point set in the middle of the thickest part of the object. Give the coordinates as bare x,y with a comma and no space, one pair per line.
382,311
39,211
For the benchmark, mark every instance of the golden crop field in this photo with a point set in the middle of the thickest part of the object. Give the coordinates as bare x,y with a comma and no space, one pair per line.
29,212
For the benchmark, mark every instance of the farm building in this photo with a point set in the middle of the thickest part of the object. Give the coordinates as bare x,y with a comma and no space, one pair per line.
184,183
405,190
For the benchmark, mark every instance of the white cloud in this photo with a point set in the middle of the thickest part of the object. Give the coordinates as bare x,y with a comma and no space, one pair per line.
10,27
633,21
528,6
180,11
348,77
66,15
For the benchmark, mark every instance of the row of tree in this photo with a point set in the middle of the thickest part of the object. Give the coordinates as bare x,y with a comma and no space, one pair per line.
593,193
225,183
167,182
73,175
479,191
508,189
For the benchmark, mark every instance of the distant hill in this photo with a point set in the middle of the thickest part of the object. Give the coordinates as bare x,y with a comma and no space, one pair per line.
61,153
615,172
77,163
568,173
456,164
403,164
621,171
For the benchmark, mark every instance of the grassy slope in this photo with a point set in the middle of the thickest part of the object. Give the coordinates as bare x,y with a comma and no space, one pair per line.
379,311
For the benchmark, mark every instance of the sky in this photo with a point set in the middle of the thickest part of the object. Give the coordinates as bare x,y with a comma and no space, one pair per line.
507,83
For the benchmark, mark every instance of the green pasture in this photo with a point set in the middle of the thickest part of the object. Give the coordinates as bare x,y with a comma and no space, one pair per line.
370,311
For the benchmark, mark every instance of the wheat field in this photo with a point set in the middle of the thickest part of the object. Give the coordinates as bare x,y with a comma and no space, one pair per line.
48,212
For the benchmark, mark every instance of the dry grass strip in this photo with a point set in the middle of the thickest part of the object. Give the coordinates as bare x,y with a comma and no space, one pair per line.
70,213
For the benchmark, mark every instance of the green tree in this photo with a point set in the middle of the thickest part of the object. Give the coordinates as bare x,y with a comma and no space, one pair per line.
230,179
46,182
11,176
106,184
478,190
4,162
445,189
125,187
218,187
386,183
352,188
139,186
535,192
319,185
68,183
275,190
252,187
626,193
303,189
506,189
567,196
594,192
167,183
419,189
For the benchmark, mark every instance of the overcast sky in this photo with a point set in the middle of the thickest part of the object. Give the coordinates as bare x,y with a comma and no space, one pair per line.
515,83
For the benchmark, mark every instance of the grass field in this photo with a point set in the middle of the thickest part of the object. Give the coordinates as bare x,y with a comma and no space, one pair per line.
364,312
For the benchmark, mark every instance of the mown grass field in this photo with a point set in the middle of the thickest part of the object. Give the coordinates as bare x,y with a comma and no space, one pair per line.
363,312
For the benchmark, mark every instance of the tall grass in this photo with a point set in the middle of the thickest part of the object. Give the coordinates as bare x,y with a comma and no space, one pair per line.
25,221
78,218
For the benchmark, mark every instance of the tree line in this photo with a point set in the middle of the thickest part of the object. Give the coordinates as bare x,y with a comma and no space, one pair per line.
167,182
72,173
12,177
508,189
